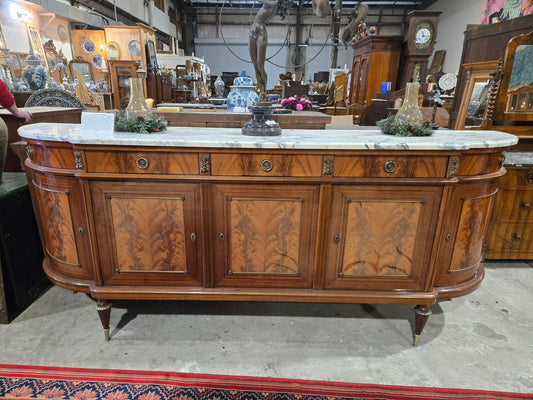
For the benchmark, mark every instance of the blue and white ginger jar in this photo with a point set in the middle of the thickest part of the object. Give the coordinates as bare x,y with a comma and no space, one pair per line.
242,93
34,74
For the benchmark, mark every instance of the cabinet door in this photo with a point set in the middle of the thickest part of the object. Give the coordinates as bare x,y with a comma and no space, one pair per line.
148,233
363,80
65,227
381,238
356,74
265,235
121,74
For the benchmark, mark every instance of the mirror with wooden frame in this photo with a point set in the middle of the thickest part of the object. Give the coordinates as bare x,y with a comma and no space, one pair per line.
515,99
476,94
83,67
52,60
16,64
112,51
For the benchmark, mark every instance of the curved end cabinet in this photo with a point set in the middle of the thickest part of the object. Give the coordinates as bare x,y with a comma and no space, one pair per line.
309,216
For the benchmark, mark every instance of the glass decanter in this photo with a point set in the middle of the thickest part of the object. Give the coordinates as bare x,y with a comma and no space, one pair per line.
409,112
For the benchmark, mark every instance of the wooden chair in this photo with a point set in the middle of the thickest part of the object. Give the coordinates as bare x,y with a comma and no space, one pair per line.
341,104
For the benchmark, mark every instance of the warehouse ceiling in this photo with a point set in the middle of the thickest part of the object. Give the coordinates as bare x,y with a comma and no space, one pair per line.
403,4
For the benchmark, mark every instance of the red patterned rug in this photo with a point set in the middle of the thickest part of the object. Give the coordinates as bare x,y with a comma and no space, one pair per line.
32,382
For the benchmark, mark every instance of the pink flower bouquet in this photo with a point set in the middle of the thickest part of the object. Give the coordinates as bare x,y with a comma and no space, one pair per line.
296,103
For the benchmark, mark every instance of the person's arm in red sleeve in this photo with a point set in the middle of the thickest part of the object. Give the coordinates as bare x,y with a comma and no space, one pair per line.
8,102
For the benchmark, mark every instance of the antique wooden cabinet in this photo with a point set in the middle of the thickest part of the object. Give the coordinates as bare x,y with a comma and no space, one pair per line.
313,216
375,59
121,74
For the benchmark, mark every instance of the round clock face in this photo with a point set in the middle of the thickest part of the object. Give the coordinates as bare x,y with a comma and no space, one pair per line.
447,81
423,35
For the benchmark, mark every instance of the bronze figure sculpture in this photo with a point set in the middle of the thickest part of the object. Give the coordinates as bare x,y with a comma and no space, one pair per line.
258,39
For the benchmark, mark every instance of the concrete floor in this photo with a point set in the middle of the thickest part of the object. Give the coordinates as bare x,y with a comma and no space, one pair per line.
480,341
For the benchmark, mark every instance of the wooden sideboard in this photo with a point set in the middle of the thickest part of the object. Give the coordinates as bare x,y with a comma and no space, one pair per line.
350,216
39,114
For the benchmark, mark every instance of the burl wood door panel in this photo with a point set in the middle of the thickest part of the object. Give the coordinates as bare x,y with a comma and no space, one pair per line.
468,216
148,233
380,238
265,235
64,224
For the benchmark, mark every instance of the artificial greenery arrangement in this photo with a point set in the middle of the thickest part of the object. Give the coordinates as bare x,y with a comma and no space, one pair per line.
140,124
390,127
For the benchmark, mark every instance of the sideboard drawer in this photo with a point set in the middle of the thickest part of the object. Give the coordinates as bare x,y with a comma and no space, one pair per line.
511,238
142,162
518,177
390,166
514,205
266,164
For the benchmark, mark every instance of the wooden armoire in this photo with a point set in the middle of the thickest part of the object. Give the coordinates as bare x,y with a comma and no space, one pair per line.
375,59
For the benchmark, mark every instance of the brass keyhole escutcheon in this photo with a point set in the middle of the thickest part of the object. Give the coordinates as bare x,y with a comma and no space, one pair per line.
267,165
336,238
390,166
221,236
142,162
193,237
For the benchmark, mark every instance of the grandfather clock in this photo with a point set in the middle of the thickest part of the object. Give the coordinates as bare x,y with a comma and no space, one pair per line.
418,46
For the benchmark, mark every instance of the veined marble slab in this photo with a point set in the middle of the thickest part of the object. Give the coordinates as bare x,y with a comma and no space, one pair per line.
518,159
352,139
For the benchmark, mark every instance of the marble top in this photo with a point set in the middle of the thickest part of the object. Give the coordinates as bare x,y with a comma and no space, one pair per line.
518,159
354,139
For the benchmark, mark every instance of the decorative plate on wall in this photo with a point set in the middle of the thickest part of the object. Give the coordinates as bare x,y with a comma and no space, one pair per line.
62,33
134,46
98,61
448,81
88,46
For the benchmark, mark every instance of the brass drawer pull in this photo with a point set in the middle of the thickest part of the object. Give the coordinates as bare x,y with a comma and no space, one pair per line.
525,206
267,165
390,166
142,162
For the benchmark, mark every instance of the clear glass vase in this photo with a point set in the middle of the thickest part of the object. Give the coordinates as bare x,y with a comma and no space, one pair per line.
137,105
409,112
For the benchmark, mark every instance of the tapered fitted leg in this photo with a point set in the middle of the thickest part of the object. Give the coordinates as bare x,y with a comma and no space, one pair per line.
104,312
422,314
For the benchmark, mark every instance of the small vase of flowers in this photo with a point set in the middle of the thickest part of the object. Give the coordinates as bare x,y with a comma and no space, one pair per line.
296,103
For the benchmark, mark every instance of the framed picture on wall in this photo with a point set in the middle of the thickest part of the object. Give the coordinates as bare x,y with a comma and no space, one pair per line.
3,43
151,57
36,43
